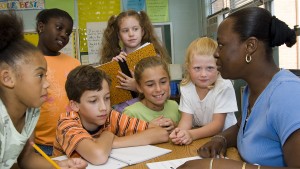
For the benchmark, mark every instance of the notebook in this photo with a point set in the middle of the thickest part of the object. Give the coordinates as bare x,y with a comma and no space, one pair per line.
112,68
134,155
122,157
170,164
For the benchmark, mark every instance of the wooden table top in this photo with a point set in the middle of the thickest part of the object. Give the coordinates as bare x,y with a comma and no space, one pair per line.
182,152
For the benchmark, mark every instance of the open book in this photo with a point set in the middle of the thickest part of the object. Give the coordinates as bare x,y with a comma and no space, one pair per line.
122,157
111,68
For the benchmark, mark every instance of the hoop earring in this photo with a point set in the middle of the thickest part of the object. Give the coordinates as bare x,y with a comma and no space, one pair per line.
248,58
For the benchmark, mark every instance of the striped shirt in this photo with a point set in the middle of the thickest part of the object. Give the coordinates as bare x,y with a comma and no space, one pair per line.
70,131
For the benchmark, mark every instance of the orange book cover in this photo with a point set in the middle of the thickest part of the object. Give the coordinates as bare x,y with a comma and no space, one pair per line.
111,68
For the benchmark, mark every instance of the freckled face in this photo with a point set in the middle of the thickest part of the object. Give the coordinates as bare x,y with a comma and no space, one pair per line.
130,33
203,70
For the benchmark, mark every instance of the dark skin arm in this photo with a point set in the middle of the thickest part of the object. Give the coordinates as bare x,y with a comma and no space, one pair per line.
291,152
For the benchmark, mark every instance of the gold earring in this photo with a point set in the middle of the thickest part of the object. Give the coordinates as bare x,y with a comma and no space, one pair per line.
248,58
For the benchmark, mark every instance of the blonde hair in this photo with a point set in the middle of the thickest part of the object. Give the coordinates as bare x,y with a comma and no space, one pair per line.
200,46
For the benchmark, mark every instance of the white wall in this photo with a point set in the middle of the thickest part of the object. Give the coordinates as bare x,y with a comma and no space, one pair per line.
184,15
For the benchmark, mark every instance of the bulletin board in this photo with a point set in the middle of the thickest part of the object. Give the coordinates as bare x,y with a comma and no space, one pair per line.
94,11
69,49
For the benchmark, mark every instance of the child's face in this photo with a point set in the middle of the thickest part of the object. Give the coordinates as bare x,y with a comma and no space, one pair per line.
31,83
94,107
130,32
155,85
55,34
203,70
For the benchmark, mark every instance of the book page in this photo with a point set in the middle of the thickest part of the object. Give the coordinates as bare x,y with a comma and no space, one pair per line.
134,155
170,164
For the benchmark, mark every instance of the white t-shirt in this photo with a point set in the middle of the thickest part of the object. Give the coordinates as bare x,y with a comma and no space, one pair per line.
220,99
11,141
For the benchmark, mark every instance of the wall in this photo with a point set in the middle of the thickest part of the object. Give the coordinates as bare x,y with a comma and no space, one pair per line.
184,15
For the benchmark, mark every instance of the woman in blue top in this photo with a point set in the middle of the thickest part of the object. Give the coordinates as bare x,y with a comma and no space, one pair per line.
268,133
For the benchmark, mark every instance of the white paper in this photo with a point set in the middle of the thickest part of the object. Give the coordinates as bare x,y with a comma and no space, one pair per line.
170,164
134,155
110,164
94,31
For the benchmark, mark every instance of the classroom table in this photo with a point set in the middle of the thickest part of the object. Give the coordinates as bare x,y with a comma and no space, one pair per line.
182,152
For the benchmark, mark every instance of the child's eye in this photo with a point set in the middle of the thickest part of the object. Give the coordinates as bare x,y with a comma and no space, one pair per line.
124,30
107,98
59,28
92,101
41,75
149,85
197,68
163,82
135,29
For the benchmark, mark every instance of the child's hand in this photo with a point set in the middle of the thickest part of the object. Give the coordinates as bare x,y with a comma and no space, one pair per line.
167,124
127,82
121,57
72,163
181,137
157,121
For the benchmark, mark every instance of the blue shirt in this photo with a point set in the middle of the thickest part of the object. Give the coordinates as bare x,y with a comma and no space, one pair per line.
274,117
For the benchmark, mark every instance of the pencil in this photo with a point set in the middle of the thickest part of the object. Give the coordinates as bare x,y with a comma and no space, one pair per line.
44,155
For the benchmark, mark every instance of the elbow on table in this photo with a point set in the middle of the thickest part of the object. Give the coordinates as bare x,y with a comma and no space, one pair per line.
98,157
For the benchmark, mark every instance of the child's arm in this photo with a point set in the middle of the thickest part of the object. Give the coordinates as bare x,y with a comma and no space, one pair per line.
187,135
152,135
96,151
32,160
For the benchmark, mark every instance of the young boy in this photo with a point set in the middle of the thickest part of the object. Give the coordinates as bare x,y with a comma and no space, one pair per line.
92,129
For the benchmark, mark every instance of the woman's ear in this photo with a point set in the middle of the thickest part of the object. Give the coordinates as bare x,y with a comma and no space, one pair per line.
7,78
74,105
251,45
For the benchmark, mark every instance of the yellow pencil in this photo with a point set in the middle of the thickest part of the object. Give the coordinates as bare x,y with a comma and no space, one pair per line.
44,155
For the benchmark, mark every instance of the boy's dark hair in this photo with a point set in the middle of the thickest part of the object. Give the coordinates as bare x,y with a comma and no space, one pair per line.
12,43
45,15
84,78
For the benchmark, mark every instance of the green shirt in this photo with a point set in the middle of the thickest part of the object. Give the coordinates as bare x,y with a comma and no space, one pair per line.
140,111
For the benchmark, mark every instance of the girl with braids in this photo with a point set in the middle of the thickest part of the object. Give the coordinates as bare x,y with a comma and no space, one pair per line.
23,88
268,133
124,34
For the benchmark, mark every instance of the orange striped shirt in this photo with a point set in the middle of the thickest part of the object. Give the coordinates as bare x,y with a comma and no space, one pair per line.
70,131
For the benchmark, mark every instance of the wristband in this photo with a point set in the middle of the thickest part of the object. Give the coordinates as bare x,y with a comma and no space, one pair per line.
211,163
244,166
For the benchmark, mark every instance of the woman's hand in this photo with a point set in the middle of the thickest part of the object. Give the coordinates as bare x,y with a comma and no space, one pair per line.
215,148
121,57
126,82
72,163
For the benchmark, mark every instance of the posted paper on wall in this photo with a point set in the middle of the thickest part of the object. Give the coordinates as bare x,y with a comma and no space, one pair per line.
94,32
